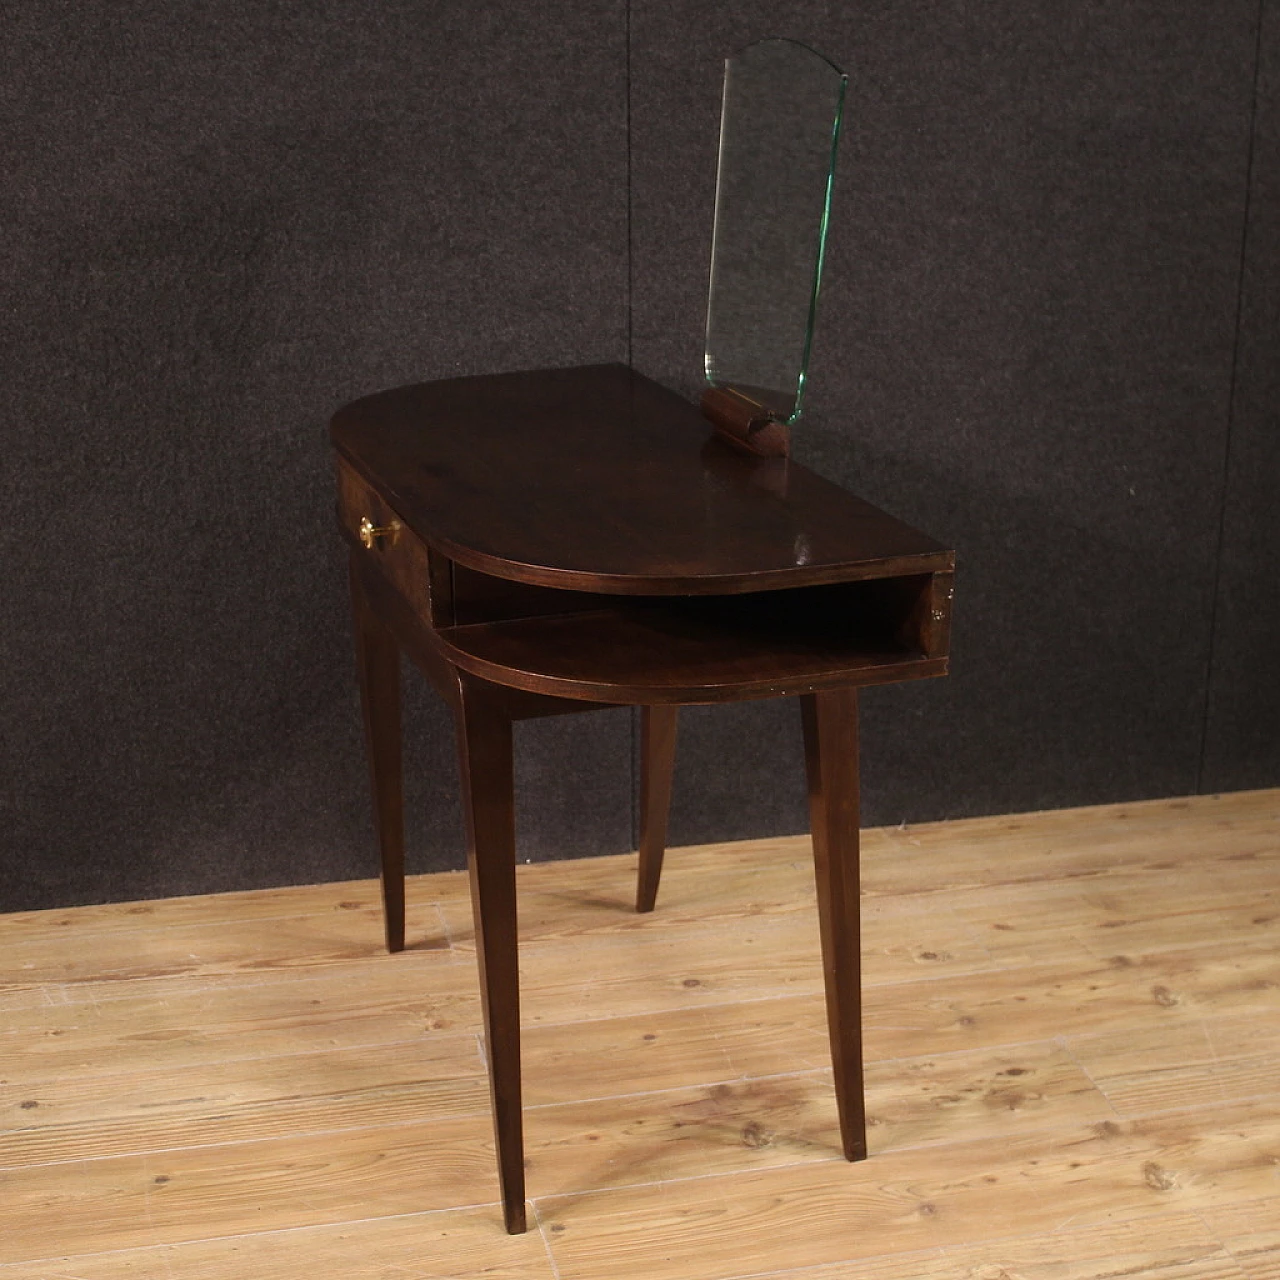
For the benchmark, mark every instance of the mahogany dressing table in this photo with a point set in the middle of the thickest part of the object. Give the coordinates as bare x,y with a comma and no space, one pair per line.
565,540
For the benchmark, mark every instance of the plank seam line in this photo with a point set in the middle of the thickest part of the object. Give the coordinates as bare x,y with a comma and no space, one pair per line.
546,1242
1242,1259
443,917
1088,1075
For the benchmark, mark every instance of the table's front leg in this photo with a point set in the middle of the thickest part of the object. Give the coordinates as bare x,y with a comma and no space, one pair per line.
831,761
378,661
484,749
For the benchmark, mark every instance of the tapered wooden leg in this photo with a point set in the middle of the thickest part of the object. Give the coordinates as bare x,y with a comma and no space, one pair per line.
484,747
378,660
657,764
831,760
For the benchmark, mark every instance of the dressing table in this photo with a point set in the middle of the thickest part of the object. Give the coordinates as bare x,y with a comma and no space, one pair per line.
564,540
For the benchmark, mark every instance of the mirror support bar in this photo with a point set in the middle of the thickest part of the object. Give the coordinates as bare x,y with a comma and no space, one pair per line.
745,424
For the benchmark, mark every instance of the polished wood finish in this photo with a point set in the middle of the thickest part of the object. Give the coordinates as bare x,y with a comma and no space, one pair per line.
657,768
745,424
569,539
378,667
484,750
831,762
598,479
403,559
421,644
1072,1038
715,649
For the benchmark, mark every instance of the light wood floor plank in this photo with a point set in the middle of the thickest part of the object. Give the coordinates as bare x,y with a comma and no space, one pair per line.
215,950
204,1192
458,1242
605,1057
89,1117
88,924
974,1094
1165,1247
1174,1067
1030,924
384,1000
1171,1247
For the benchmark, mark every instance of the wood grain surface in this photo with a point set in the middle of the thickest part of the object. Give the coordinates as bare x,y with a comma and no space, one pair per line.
599,479
1072,1037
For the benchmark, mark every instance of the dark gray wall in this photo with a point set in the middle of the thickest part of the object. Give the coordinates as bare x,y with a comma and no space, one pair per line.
1046,338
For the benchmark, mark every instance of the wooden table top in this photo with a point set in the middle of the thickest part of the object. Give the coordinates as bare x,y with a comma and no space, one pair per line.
599,479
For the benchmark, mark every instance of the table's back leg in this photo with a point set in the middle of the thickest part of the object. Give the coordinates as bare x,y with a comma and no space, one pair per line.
831,760
378,660
657,765
484,748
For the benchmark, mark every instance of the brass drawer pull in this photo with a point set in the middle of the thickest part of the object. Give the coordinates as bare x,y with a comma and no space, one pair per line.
371,533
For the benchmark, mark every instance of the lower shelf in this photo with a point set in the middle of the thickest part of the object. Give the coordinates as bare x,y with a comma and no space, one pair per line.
693,649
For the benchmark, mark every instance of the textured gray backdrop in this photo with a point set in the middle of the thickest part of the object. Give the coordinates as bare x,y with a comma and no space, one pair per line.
1049,336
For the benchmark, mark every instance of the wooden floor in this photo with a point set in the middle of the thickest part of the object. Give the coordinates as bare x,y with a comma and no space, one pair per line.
1073,1038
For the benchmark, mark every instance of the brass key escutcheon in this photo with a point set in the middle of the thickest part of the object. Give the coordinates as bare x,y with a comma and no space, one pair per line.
370,533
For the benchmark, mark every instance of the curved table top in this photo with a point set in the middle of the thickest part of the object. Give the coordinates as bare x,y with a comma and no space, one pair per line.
598,479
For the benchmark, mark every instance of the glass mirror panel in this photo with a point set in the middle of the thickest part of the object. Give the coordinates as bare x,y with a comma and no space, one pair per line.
778,133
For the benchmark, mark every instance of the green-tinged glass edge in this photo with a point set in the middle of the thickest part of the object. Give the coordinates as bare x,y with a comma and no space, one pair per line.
821,258
824,223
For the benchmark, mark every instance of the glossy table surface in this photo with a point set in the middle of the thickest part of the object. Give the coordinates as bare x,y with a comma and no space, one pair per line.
598,479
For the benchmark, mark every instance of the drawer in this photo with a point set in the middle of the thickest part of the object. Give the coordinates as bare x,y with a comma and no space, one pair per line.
404,559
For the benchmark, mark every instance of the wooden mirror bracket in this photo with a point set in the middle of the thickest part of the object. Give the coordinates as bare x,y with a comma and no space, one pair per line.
745,424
